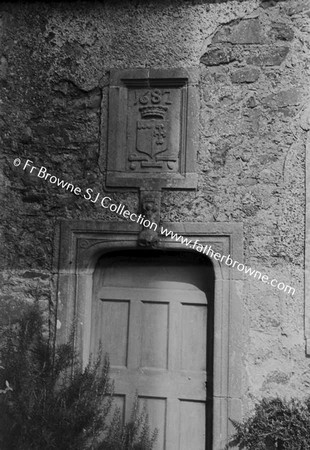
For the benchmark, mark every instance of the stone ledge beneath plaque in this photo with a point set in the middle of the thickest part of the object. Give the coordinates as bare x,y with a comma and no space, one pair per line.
174,181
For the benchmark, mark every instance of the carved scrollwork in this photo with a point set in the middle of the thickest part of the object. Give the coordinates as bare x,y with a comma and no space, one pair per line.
84,243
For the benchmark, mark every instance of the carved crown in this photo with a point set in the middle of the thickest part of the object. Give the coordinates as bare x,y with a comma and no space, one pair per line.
153,112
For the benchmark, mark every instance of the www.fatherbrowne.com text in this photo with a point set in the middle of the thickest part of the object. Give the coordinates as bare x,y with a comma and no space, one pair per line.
106,202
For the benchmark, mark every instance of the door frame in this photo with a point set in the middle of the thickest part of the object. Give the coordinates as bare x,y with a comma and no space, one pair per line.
82,243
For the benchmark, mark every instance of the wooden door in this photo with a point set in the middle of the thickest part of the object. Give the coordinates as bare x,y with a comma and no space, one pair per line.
151,317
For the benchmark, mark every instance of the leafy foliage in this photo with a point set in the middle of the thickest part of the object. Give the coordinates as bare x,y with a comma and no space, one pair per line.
50,402
276,424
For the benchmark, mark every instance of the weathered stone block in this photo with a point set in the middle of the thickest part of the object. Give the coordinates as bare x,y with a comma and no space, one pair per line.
34,274
218,55
278,377
270,56
269,3
251,102
281,31
218,154
244,32
289,97
248,75
298,7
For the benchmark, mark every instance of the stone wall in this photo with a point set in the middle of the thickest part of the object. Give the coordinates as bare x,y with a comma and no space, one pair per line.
254,89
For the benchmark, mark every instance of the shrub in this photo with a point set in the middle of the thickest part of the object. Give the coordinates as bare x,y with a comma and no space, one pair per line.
276,424
135,435
48,400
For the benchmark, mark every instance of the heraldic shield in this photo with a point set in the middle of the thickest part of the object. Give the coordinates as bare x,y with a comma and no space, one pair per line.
152,143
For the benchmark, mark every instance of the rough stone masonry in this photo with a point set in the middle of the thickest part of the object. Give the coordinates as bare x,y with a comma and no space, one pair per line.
254,82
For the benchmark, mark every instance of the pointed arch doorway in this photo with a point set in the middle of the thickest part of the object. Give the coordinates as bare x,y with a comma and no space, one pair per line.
153,313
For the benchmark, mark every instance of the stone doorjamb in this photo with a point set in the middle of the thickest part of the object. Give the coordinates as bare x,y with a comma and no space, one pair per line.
81,245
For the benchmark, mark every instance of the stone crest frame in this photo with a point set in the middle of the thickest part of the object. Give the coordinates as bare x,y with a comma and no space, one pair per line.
81,245
139,100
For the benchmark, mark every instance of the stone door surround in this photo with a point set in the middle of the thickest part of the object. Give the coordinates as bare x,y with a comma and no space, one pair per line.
82,243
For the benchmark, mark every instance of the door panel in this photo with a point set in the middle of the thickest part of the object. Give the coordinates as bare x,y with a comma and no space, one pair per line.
154,335
152,320
194,331
192,420
157,410
113,330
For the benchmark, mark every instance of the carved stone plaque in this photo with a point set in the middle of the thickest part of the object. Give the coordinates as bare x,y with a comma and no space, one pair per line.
151,146
152,129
